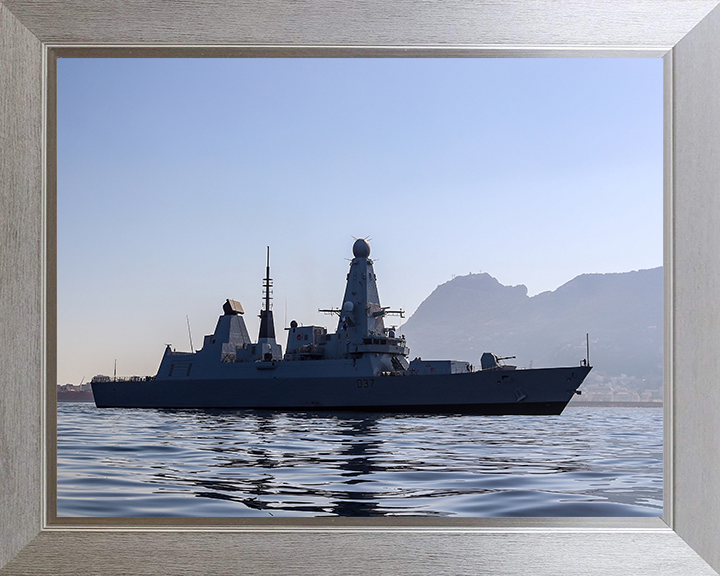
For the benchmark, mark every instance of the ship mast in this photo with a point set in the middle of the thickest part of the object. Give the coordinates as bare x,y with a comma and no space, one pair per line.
268,282
267,326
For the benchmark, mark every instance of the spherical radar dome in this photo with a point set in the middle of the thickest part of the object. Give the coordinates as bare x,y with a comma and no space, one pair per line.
361,248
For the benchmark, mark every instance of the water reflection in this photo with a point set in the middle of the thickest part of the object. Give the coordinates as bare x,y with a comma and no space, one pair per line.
267,463
345,447
361,445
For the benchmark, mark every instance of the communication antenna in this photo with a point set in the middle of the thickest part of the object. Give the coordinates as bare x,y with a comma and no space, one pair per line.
115,370
189,333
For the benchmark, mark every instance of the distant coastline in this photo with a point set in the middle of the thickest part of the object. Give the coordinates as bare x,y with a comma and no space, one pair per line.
601,404
72,393
75,397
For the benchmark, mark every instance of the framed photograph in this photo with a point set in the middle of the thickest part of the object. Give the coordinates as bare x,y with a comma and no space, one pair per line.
181,170
685,540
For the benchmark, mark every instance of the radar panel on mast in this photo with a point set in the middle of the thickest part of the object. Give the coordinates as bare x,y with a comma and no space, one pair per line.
232,307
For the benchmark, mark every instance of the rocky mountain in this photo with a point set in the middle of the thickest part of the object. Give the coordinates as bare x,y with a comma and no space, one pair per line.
473,314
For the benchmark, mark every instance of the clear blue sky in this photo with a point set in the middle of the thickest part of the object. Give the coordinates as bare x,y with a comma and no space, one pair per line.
173,176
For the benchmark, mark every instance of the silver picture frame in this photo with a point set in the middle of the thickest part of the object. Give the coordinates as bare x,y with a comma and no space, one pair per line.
685,33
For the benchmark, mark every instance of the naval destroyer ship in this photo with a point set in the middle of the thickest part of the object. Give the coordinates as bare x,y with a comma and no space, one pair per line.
362,366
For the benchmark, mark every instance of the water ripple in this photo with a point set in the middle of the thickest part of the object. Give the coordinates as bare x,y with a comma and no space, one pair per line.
586,462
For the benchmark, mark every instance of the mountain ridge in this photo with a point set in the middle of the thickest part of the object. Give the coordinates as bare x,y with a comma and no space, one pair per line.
475,313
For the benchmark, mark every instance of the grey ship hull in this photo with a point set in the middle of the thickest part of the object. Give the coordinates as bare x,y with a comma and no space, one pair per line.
488,392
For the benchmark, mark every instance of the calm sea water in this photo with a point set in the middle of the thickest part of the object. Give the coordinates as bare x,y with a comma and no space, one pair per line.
585,462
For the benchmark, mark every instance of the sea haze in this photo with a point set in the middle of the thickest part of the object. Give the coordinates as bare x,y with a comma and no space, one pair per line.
586,462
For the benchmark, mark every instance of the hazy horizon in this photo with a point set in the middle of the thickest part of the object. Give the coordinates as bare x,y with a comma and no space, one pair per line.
174,175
